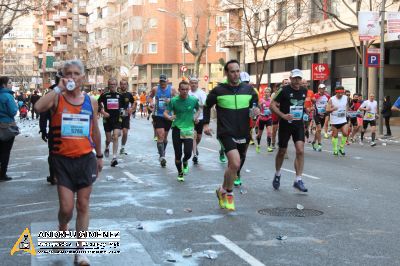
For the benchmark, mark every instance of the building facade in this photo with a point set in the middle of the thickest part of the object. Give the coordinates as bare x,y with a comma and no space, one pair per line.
140,39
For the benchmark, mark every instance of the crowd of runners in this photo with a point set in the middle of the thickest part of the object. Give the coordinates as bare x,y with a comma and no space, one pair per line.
69,122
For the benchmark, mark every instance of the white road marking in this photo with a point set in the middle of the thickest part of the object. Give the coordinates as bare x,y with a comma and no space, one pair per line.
237,250
291,171
208,149
30,204
134,178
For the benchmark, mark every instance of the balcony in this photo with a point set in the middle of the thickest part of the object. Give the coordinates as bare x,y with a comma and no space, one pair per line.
227,5
56,33
58,64
63,15
56,17
56,2
82,11
50,23
63,30
82,28
60,48
38,40
230,38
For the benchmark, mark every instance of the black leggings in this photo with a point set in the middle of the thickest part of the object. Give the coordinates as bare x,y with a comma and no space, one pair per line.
5,150
187,148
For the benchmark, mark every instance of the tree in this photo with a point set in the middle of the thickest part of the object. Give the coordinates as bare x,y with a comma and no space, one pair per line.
11,10
200,46
327,9
267,23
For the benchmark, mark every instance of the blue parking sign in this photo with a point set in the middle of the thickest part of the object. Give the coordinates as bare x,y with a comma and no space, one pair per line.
373,60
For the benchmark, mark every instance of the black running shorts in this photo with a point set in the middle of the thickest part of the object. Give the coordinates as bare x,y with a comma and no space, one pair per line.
161,122
296,131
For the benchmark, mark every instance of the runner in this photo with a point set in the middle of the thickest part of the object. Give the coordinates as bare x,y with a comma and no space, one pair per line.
321,100
245,78
183,121
127,105
109,104
337,108
354,115
370,109
76,134
232,101
163,94
142,106
275,121
265,120
309,107
201,97
291,100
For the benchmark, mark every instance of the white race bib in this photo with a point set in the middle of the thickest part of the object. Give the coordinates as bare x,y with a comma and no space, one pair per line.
296,112
369,116
112,104
75,125
341,113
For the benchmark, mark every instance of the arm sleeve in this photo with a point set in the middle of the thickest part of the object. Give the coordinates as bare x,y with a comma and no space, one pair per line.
210,102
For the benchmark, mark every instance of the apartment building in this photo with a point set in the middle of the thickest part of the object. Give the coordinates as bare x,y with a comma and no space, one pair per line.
140,39
16,54
59,34
321,42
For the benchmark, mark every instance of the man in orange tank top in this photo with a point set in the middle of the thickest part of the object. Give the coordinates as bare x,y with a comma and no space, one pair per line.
75,133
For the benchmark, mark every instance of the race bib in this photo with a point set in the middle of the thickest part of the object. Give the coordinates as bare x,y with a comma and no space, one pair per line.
161,104
352,114
321,109
306,117
267,112
370,116
187,133
75,125
341,113
112,104
296,112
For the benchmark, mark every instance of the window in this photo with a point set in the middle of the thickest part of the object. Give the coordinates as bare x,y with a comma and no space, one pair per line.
153,23
125,26
135,47
298,8
99,14
220,21
257,24
282,65
323,58
142,72
319,9
282,15
267,17
125,49
188,22
219,48
345,57
152,48
137,23
305,61
104,12
157,70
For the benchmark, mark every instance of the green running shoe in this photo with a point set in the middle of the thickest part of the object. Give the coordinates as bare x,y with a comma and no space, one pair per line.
185,169
180,177
258,148
221,198
238,181
222,157
270,149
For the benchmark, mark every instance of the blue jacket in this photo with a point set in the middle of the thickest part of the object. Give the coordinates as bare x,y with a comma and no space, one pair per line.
8,108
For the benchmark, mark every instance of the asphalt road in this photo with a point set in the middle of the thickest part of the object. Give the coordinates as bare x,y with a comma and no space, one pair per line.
358,195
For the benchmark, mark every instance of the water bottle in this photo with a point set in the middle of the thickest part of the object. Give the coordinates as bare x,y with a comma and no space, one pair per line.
252,110
70,85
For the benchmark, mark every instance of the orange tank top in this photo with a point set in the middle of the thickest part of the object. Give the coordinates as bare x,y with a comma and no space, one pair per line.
72,128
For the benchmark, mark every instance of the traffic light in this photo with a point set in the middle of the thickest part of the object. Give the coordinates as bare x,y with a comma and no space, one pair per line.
49,40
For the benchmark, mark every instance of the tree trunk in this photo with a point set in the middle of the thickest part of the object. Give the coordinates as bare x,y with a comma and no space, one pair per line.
197,59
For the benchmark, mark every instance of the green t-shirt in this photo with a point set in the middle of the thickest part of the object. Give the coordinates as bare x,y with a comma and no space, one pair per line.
183,110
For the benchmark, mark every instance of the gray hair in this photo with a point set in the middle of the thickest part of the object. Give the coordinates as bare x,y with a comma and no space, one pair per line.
75,62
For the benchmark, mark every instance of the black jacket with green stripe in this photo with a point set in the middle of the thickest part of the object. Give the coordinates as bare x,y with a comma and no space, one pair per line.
233,106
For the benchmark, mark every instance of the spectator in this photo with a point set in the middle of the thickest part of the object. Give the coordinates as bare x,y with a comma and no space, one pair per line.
8,109
34,98
396,105
387,113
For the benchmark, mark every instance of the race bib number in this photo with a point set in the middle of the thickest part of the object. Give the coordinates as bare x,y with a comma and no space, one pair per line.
267,112
370,116
161,104
112,104
296,112
75,125
187,133
306,117
352,114
321,109
341,113
239,141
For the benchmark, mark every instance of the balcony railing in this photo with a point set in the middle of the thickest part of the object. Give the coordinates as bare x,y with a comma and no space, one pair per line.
227,5
56,17
230,38
60,48
63,15
63,30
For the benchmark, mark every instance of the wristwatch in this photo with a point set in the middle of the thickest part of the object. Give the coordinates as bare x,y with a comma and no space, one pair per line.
57,90
99,156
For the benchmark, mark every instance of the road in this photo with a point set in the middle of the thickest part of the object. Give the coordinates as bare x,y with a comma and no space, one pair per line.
357,195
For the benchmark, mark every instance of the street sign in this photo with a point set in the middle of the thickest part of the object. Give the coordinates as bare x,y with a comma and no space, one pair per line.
320,71
206,78
183,68
373,60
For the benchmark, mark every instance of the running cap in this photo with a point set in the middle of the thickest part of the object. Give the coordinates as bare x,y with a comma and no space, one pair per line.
193,78
296,73
163,77
321,86
244,77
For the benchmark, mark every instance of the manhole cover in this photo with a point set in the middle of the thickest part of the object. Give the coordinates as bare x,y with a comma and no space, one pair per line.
290,212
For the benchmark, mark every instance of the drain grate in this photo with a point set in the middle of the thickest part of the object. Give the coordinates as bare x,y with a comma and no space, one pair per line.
290,212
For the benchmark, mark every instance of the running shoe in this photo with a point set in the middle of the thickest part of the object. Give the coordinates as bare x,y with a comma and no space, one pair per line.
221,198
341,151
251,142
81,260
51,180
106,153
222,157
114,162
314,146
373,144
185,168
326,135
163,162
361,143
230,203
270,149
319,148
335,153
258,148
273,146
122,151
276,183
299,185
195,159
180,177
5,178
238,181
